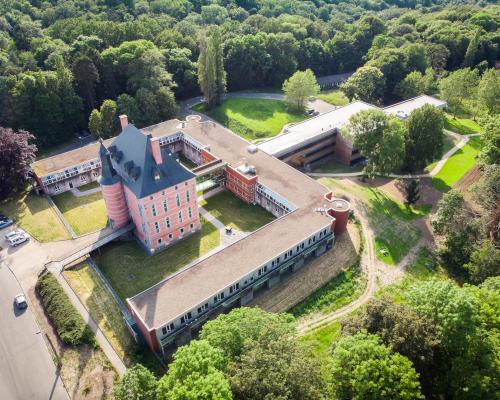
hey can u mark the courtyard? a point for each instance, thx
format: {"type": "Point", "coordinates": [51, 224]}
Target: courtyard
{"type": "Point", "coordinates": [252, 118]}
{"type": "Point", "coordinates": [130, 270]}
{"type": "Point", "coordinates": [232, 211]}
{"type": "Point", "coordinates": [84, 214]}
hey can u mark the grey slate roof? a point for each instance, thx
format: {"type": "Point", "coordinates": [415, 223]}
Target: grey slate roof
{"type": "Point", "coordinates": [132, 158]}
{"type": "Point", "coordinates": [108, 173]}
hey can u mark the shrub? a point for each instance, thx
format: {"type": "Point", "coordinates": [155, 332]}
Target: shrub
{"type": "Point", "coordinates": [70, 325]}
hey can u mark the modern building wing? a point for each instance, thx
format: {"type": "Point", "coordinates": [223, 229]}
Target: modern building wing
{"type": "Point", "coordinates": [404, 109]}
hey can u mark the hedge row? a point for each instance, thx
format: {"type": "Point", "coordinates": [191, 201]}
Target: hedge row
{"type": "Point", "coordinates": [70, 325]}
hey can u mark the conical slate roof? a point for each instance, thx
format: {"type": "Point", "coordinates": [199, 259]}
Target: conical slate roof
{"type": "Point", "coordinates": [108, 173]}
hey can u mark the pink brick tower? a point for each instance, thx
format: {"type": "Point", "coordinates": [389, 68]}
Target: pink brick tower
{"type": "Point", "coordinates": [112, 192]}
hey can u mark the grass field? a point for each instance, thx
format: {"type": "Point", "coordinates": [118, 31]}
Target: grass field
{"type": "Point", "coordinates": [448, 144]}
{"type": "Point", "coordinates": [252, 118]}
{"type": "Point", "coordinates": [89, 288]}
{"type": "Point", "coordinates": [390, 219]}
{"type": "Point", "coordinates": [335, 97]}
{"type": "Point", "coordinates": [335, 294]}
{"type": "Point", "coordinates": [35, 215]}
{"type": "Point", "coordinates": [130, 270]}
{"type": "Point", "coordinates": [457, 165]}
{"type": "Point", "coordinates": [321, 339]}
{"type": "Point", "coordinates": [230, 210]}
{"type": "Point", "coordinates": [84, 214]}
{"type": "Point", "coordinates": [463, 126]}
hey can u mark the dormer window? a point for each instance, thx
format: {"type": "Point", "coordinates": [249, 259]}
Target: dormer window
{"type": "Point", "coordinates": [157, 175]}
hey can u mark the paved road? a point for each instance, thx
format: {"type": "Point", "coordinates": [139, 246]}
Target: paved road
{"type": "Point", "coordinates": [26, 367]}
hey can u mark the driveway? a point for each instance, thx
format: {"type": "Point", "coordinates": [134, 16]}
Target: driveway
{"type": "Point", "coordinates": [26, 367]}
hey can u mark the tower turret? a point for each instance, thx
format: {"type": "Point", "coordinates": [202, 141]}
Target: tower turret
{"type": "Point", "coordinates": [112, 191]}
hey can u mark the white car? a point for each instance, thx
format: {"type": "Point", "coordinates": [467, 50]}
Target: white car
{"type": "Point", "coordinates": [18, 239]}
{"type": "Point", "coordinates": [20, 301]}
{"type": "Point", "coordinates": [15, 233]}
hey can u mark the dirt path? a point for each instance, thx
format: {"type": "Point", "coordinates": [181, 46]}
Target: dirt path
{"type": "Point", "coordinates": [369, 268]}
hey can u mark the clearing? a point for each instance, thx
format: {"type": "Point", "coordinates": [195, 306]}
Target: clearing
{"type": "Point", "coordinates": [252, 118]}
{"type": "Point", "coordinates": [35, 215]}
{"type": "Point", "coordinates": [457, 165]}
{"type": "Point", "coordinates": [321, 275]}
{"type": "Point", "coordinates": [130, 270]}
{"type": "Point", "coordinates": [463, 126]}
{"type": "Point", "coordinates": [335, 97]}
{"type": "Point", "coordinates": [391, 220]}
{"type": "Point", "coordinates": [231, 210]}
{"type": "Point", "coordinates": [98, 301]}
{"type": "Point", "coordinates": [84, 214]}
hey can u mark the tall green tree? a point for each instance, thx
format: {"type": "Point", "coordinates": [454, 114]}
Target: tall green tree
{"type": "Point", "coordinates": [458, 88]}
{"type": "Point", "coordinates": [138, 382]}
{"type": "Point", "coordinates": [425, 138]}
{"type": "Point", "coordinates": [211, 73]}
{"type": "Point", "coordinates": [488, 93]}
{"type": "Point", "coordinates": [299, 87]}
{"type": "Point", "coordinates": [104, 123]}
{"type": "Point", "coordinates": [364, 368]}
{"type": "Point", "coordinates": [367, 84]}
{"type": "Point", "coordinates": [490, 150]}
{"type": "Point", "coordinates": [379, 138]}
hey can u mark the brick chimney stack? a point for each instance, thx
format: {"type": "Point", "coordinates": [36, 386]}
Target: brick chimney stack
{"type": "Point", "coordinates": [123, 121]}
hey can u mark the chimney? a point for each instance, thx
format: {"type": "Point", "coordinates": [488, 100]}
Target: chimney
{"type": "Point", "coordinates": [156, 150]}
{"type": "Point", "coordinates": [123, 121]}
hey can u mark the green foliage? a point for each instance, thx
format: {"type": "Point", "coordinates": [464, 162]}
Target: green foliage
{"type": "Point", "coordinates": [488, 94]}
{"type": "Point", "coordinates": [104, 122]}
{"type": "Point", "coordinates": [490, 152]}
{"type": "Point", "coordinates": [70, 326]}
{"type": "Point", "coordinates": [484, 261]}
{"type": "Point", "coordinates": [380, 138]}
{"type": "Point", "coordinates": [299, 87]}
{"type": "Point", "coordinates": [449, 213]}
{"type": "Point", "coordinates": [367, 84]}
{"type": "Point", "coordinates": [137, 383]}
{"type": "Point", "coordinates": [363, 368]}
{"type": "Point", "coordinates": [211, 73]}
{"type": "Point", "coordinates": [412, 191]}
{"type": "Point", "coordinates": [424, 142]}
{"type": "Point", "coordinates": [458, 87]}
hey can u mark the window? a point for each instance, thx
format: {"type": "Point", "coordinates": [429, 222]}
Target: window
{"type": "Point", "coordinates": [157, 227]}
{"type": "Point", "coordinates": [190, 213]}
{"type": "Point", "coordinates": [176, 187]}
{"type": "Point", "coordinates": [234, 288]}
{"type": "Point", "coordinates": [167, 222]}
{"type": "Point", "coordinates": [286, 256]}
{"type": "Point", "coordinates": [202, 308]}
{"type": "Point", "coordinates": [165, 205]}
{"type": "Point", "coordinates": [178, 200]}
{"type": "Point", "coordinates": [153, 210]}
{"type": "Point", "coordinates": [150, 197]}
{"type": "Point", "coordinates": [180, 217]}
{"type": "Point", "coordinates": [302, 245]}
{"type": "Point", "coordinates": [262, 270]}
{"type": "Point", "coordinates": [191, 226]}
{"type": "Point", "coordinates": [170, 236]}
{"type": "Point", "coordinates": [219, 297]}
{"type": "Point", "coordinates": [185, 183]}
{"type": "Point", "coordinates": [159, 241]}
{"type": "Point", "coordinates": [186, 317]}
{"type": "Point", "coordinates": [167, 329]}
{"type": "Point", "coordinates": [163, 193]}
{"type": "Point", "coordinates": [181, 231]}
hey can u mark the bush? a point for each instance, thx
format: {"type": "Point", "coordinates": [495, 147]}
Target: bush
{"type": "Point", "coordinates": [70, 326]}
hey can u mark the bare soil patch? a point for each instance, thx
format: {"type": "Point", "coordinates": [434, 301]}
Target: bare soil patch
{"type": "Point", "coordinates": [313, 275]}
{"type": "Point", "coordinates": [86, 372]}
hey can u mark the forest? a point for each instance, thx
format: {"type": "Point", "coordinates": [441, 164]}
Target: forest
{"type": "Point", "coordinates": [62, 59]}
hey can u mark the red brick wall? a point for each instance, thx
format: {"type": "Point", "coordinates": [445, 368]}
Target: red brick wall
{"type": "Point", "coordinates": [206, 156]}
{"type": "Point", "coordinates": [241, 185]}
{"type": "Point", "coordinates": [149, 336]}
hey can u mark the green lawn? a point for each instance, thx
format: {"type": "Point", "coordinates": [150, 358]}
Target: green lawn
{"type": "Point", "coordinates": [448, 144]}
{"type": "Point", "coordinates": [252, 118]}
{"type": "Point", "coordinates": [335, 97]}
{"type": "Point", "coordinates": [463, 126]}
{"type": "Point", "coordinates": [321, 339]}
{"type": "Point", "coordinates": [390, 219]}
{"type": "Point", "coordinates": [35, 215]}
{"type": "Point", "coordinates": [131, 270]}
{"type": "Point", "coordinates": [89, 288]}
{"type": "Point", "coordinates": [231, 210]}
{"type": "Point", "coordinates": [84, 214]}
{"type": "Point", "coordinates": [457, 165]}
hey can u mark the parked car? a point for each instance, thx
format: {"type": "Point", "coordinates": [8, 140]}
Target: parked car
{"type": "Point", "coordinates": [5, 222]}
{"type": "Point", "coordinates": [15, 233]}
{"type": "Point", "coordinates": [20, 301]}
{"type": "Point", "coordinates": [18, 239]}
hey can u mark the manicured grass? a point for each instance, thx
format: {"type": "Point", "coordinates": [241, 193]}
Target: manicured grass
{"type": "Point", "coordinates": [230, 210]}
{"type": "Point", "coordinates": [321, 339]}
{"type": "Point", "coordinates": [463, 126]}
{"type": "Point", "coordinates": [35, 215]}
{"type": "Point", "coordinates": [89, 288]}
{"type": "Point", "coordinates": [457, 165]}
{"type": "Point", "coordinates": [448, 144]}
{"type": "Point", "coordinates": [334, 167]}
{"type": "Point", "coordinates": [390, 219]}
{"type": "Point", "coordinates": [335, 97]}
{"type": "Point", "coordinates": [131, 270]}
{"type": "Point", "coordinates": [252, 118]}
{"type": "Point", "coordinates": [84, 214]}
{"type": "Point", "coordinates": [340, 291]}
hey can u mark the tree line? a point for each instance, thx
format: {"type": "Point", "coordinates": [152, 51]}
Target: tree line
{"type": "Point", "coordinates": [61, 60]}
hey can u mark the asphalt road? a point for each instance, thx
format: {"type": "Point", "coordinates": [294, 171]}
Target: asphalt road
{"type": "Point", "coordinates": [26, 367]}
